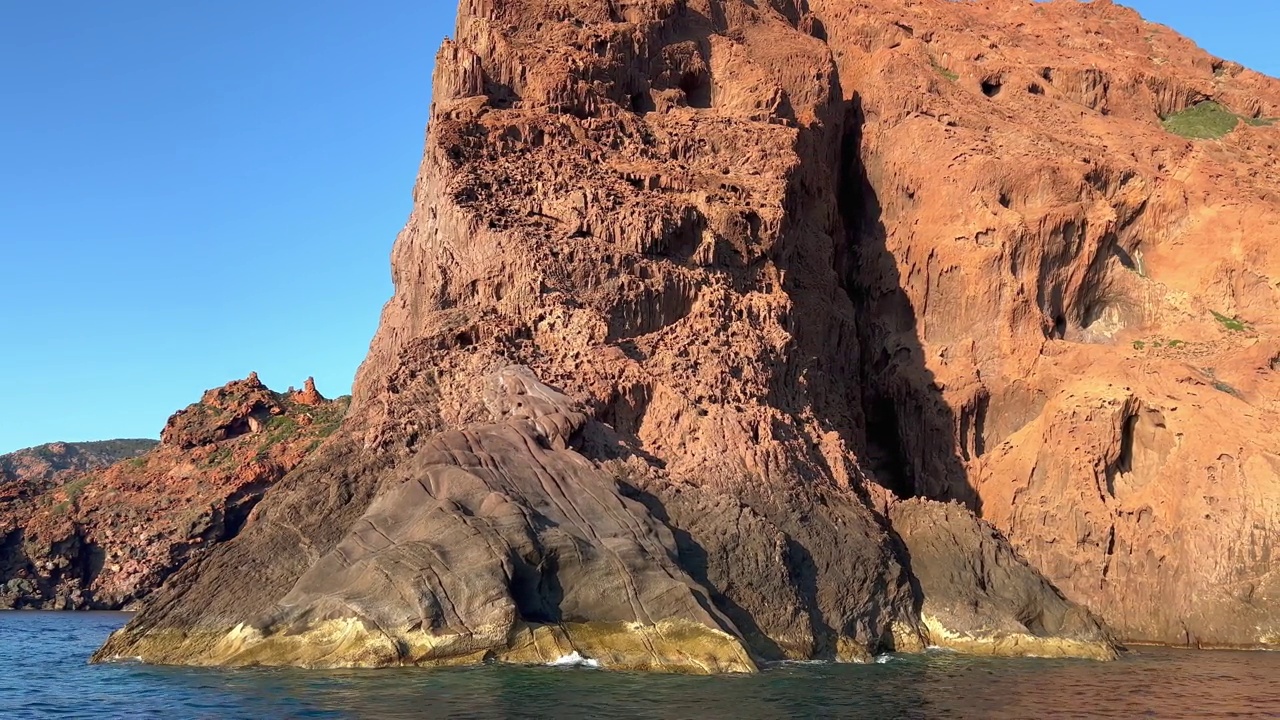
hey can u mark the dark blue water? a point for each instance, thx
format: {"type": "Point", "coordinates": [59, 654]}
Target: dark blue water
{"type": "Point", "coordinates": [43, 674]}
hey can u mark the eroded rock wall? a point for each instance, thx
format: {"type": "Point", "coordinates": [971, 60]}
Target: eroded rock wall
{"type": "Point", "coordinates": [1067, 271]}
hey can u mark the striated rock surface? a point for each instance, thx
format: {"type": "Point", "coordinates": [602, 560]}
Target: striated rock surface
{"type": "Point", "coordinates": [497, 540]}
{"type": "Point", "coordinates": [104, 524]}
{"type": "Point", "coordinates": [696, 294]}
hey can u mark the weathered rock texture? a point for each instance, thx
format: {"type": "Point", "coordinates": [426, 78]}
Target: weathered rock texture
{"type": "Point", "coordinates": [978, 596]}
{"type": "Point", "coordinates": [1032, 236]}
{"type": "Point", "coordinates": [694, 291]}
{"type": "Point", "coordinates": [101, 525]}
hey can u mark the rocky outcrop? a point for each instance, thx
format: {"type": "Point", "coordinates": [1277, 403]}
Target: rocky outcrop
{"type": "Point", "coordinates": [747, 277]}
{"type": "Point", "coordinates": [119, 517]}
{"type": "Point", "coordinates": [26, 478]}
{"type": "Point", "coordinates": [977, 596]}
{"type": "Point", "coordinates": [25, 474]}
{"type": "Point", "coordinates": [308, 395]}
{"type": "Point", "coordinates": [494, 541]}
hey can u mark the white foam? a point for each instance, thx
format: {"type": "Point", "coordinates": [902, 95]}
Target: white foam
{"type": "Point", "coordinates": [882, 659]}
{"type": "Point", "coordinates": [124, 659]}
{"type": "Point", "coordinates": [573, 659]}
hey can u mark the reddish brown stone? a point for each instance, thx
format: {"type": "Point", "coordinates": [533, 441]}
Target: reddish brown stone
{"type": "Point", "coordinates": [309, 395]}
{"type": "Point", "coordinates": [101, 532]}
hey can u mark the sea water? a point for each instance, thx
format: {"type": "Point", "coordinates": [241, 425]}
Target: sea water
{"type": "Point", "coordinates": [44, 674]}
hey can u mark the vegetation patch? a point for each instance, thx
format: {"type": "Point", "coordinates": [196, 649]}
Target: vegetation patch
{"type": "Point", "coordinates": [1157, 343]}
{"type": "Point", "coordinates": [1210, 121]}
{"type": "Point", "coordinates": [280, 428]}
{"type": "Point", "coordinates": [943, 70]}
{"type": "Point", "coordinates": [1230, 323]}
{"type": "Point", "coordinates": [1204, 121]}
{"type": "Point", "coordinates": [1224, 387]}
{"type": "Point", "coordinates": [75, 488]}
{"type": "Point", "coordinates": [329, 418]}
{"type": "Point", "coordinates": [221, 456]}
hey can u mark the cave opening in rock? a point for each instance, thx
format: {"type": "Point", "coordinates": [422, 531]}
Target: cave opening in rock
{"type": "Point", "coordinates": [886, 456]}
{"type": "Point", "coordinates": [1059, 327]}
{"type": "Point", "coordinates": [535, 587]}
{"type": "Point", "coordinates": [1125, 462]}
{"type": "Point", "coordinates": [991, 87]}
{"type": "Point", "coordinates": [642, 103]}
{"type": "Point", "coordinates": [753, 224]}
{"type": "Point", "coordinates": [237, 514]}
{"type": "Point", "coordinates": [697, 89]}
{"type": "Point", "coordinates": [906, 431]}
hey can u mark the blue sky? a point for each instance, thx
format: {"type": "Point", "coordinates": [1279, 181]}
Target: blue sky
{"type": "Point", "coordinates": [1239, 30]}
{"type": "Point", "coordinates": [194, 190]}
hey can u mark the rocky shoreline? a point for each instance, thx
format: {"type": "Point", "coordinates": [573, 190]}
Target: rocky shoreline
{"type": "Point", "coordinates": [731, 332]}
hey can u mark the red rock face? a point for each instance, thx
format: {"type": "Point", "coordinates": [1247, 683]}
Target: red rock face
{"type": "Point", "coordinates": [106, 534]}
{"type": "Point", "coordinates": [308, 395]}
{"type": "Point", "coordinates": [1066, 267]}
{"type": "Point", "coordinates": [782, 265]}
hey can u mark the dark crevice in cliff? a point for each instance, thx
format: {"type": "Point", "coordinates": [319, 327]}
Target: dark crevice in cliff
{"type": "Point", "coordinates": [535, 587]}
{"type": "Point", "coordinates": [804, 578]}
{"type": "Point", "coordinates": [1125, 463]}
{"type": "Point", "coordinates": [885, 456]}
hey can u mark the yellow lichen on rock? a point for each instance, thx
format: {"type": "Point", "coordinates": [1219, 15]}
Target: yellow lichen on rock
{"type": "Point", "coordinates": [1011, 644]}
{"type": "Point", "coordinates": [668, 646]}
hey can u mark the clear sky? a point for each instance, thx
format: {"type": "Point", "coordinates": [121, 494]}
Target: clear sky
{"type": "Point", "coordinates": [193, 190]}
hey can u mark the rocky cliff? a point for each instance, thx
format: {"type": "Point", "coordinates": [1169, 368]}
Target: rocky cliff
{"type": "Point", "coordinates": [702, 306]}
{"type": "Point", "coordinates": [101, 525]}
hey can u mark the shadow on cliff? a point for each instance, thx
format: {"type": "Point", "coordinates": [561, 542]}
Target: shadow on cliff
{"type": "Point", "coordinates": [857, 369]}
{"type": "Point", "coordinates": [693, 559]}
{"type": "Point", "coordinates": [911, 432]}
